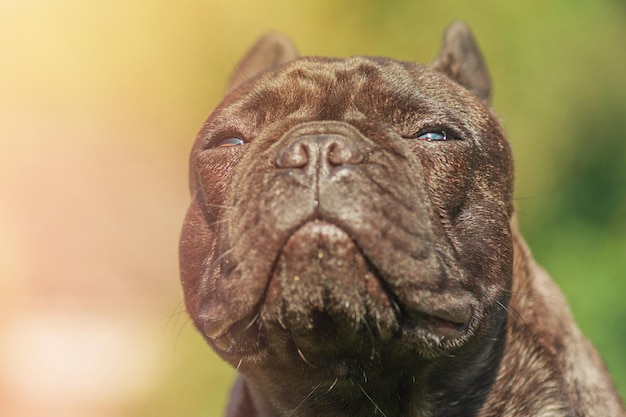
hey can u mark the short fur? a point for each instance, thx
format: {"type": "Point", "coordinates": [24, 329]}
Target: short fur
{"type": "Point", "coordinates": [349, 261]}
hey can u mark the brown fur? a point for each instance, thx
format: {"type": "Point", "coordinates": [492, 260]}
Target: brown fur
{"type": "Point", "coordinates": [349, 261]}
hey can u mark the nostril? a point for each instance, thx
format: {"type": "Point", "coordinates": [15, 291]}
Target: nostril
{"type": "Point", "coordinates": [294, 155]}
{"type": "Point", "coordinates": [343, 152]}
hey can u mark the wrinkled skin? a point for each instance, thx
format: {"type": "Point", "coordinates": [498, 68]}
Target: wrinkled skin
{"type": "Point", "coordinates": [349, 247]}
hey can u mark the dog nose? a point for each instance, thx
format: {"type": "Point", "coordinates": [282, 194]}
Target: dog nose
{"type": "Point", "coordinates": [324, 151]}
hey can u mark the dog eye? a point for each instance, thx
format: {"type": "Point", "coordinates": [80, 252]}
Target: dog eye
{"type": "Point", "coordinates": [229, 142]}
{"type": "Point", "coordinates": [433, 136]}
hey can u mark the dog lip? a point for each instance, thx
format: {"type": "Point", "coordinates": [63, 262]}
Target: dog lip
{"type": "Point", "coordinates": [444, 328]}
{"type": "Point", "coordinates": [441, 325]}
{"type": "Point", "coordinates": [460, 316]}
{"type": "Point", "coordinates": [232, 336]}
{"type": "Point", "coordinates": [450, 320]}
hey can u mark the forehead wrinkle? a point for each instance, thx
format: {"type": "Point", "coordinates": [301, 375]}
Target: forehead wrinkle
{"type": "Point", "coordinates": [325, 89]}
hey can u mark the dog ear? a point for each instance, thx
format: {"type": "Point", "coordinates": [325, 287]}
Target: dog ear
{"type": "Point", "coordinates": [461, 60]}
{"type": "Point", "coordinates": [269, 51]}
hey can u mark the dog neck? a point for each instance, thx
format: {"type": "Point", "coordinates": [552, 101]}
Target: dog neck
{"type": "Point", "coordinates": [456, 386]}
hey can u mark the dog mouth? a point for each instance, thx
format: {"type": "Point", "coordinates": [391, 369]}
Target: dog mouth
{"type": "Point", "coordinates": [325, 293]}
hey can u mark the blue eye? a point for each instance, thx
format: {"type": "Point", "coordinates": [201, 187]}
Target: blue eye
{"type": "Point", "coordinates": [433, 136]}
{"type": "Point", "coordinates": [229, 142]}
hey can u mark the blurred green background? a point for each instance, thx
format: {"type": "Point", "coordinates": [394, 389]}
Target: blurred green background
{"type": "Point", "coordinates": [119, 89]}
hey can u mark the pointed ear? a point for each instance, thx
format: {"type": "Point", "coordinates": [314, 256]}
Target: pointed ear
{"type": "Point", "coordinates": [270, 50]}
{"type": "Point", "coordinates": [461, 60]}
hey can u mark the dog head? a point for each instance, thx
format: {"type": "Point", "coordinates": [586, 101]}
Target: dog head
{"type": "Point", "coordinates": [350, 212]}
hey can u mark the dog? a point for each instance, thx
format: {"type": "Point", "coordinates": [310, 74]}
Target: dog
{"type": "Point", "coordinates": [351, 247]}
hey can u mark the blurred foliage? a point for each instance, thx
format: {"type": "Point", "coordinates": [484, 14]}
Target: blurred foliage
{"type": "Point", "coordinates": [198, 384]}
{"type": "Point", "coordinates": [579, 233]}
{"type": "Point", "coordinates": [558, 74]}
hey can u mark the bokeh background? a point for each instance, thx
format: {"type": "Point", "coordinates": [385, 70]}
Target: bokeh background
{"type": "Point", "coordinates": [100, 102]}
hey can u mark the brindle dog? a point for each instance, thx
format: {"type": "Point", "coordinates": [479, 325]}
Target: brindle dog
{"type": "Point", "coordinates": [351, 247]}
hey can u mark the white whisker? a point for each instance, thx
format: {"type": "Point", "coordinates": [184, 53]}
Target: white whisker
{"type": "Point", "coordinates": [377, 408]}
{"type": "Point", "coordinates": [303, 358]}
{"type": "Point", "coordinates": [304, 400]}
